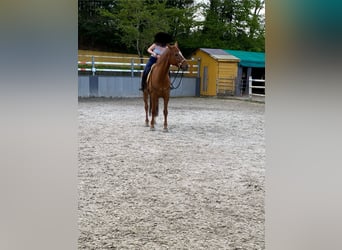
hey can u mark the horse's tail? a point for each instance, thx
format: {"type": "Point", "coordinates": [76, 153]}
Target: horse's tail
{"type": "Point", "coordinates": [149, 85]}
{"type": "Point", "coordinates": [150, 107]}
{"type": "Point", "coordinates": [157, 107]}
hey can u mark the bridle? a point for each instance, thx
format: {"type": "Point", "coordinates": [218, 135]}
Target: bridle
{"type": "Point", "coordinates": [181, 63]}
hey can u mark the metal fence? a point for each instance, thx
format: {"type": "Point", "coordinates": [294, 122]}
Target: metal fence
{"type": "Point", "coordinates": [129, 65]}
{"type": "Point", "coordinates": [258, 85]}
{"type": "Point", "coordinates": [120, 76]}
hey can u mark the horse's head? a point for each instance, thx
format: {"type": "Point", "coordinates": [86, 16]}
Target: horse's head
{"type": "Point", "coordinates": [177, 58]}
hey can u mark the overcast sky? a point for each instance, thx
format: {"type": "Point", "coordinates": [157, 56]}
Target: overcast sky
{"type": "Point", "coordinates": [201, 1]}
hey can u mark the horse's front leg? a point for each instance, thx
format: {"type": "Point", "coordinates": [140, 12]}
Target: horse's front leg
{"type": "Point", "coordinates": [146, 107]}
{"type": "Point", "coordinates": [166, 101]}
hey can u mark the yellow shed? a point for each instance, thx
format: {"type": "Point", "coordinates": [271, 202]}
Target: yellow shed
{"type": "Point", "coordinates": [218, 71]}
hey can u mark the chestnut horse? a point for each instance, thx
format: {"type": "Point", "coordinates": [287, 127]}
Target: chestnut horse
{"type": "Point", "coordinates": [158, 82]}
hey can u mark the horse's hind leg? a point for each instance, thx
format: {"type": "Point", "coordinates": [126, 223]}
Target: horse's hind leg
{"type": "Point", "coordinates": [166, 101]}
{"type": "Point", "coordinates": [146, 107]}
{"type": "Point", "coordinates": [154, 110]}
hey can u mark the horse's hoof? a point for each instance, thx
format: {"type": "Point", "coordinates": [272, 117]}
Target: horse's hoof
{"type": "Point", "coordinates": [152, 129]}
{"type": "Point", "coordinates": [165, 130]}
{"type": "Point", "coordinates": [146, 124]}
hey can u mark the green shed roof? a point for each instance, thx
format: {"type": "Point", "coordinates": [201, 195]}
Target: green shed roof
{"type": "Point", "coordinates": [249, 59]}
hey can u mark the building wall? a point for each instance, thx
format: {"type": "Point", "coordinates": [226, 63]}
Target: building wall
{"type": "Point", "coordinates": [218, 72]}
{"type": "Point", "coordinates": [226, 78]}
{"type": "Point", "coordinates": [126, 86]}
{"type": "Point", "coordinates": [228, 69]}
{"type": "Point", "coordinates": [211, 65]}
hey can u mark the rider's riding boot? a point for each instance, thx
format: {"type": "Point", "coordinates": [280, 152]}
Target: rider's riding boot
{"type": "Point", "coordinates": [143, 83]}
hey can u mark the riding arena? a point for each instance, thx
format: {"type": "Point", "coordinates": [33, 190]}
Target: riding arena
{"type": "Point", "coordinates": [200, 185]}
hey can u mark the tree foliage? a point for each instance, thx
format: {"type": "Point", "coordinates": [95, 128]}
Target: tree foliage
{"type": "Point", "coordinates": [137, 22]}
{"type": "Point", "coordinates": [94, 30]}
{"type": "Point", "coordinates": [236, 24]}
{"type": "Point", "coordinates": [129, 26]}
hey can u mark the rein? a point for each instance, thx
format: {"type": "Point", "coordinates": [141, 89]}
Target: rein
{"type": "Point", "coordinates": [180, 80]}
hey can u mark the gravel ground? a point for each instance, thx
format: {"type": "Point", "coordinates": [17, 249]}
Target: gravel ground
{"type": "Point", "coordinates": [198, 186]}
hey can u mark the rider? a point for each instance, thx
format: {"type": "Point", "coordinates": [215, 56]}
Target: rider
{"type": "Point", "coordinates": [161, 39]}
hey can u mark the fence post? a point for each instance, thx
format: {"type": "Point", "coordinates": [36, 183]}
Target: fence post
{"type": "Point", "coordinates": [132, 67]}
{"type": "Point", "coordinates": [250, 83]}
{"type": "Point", "coordinates": [93, 69]}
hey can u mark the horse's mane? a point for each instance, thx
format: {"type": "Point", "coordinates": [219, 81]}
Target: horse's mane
{"type": "Point", "coordinates": [165, 54]}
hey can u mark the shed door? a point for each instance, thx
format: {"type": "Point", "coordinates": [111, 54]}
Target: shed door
{"type": "Point", "coordinates": [205, 79]}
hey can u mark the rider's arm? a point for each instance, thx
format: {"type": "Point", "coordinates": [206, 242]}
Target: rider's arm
{"type": "Point", "coordinates": [150, 50]}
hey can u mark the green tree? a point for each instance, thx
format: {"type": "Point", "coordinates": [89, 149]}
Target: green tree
{"type": "Point", "coordinates": [235, 24]}
{"type": "Point", "coordinates": [130, 25]}
{"type": "Point", "coordinates": [138, 22]}
{"type": "Point", "coordinates": [180, 16]}
{"type": "Point", "coordinates": [251, 24]}
{"type": "Point", "coordinates": [94, 31]}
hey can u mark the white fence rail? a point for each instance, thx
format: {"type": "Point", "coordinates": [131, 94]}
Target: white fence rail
{"type": "Point", "coordinates": [124, 64]}
{"type": "Point", "coordinates": [251, 87]}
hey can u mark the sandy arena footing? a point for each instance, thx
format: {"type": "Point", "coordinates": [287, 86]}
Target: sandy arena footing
{"type": "Point", "coordinates": [198, 186]}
